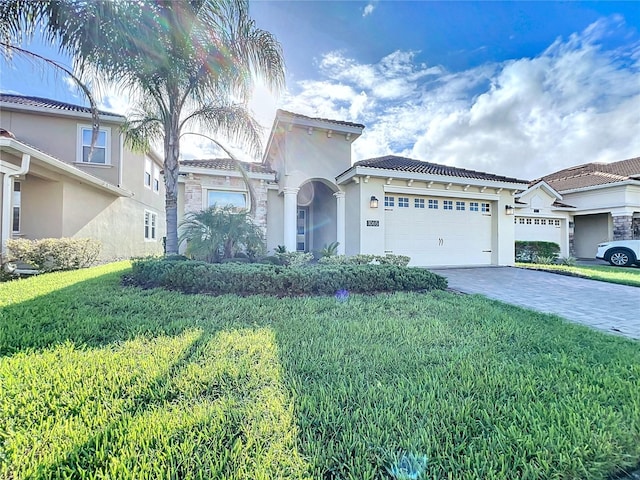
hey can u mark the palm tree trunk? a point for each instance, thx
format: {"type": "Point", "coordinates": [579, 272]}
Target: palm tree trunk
{"type": "Point", "coordinates": [171, 171]}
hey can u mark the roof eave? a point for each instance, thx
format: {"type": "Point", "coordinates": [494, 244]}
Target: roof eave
{"type": "Point", "coordinates": [60, 112]}
{"type": "Point", "coordinates": [601, 186]}
{"type": "Point", "coordinates": [226, 173]}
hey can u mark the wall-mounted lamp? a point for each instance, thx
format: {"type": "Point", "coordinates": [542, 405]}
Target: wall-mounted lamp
{"type": "Point", "coordinates": [373, 202]}
{"type": "Point", "coordinates": [508, 209]}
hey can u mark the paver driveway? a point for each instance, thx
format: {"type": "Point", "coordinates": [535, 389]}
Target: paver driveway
{"type": "Point", "coordinates": [605, 306]}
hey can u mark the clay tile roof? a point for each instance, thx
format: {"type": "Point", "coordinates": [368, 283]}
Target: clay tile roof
{"type": "Point", "coordinates": [226, 164]}
{"type": "Point", "coordinates": [39, 102]}
{"type": "Point", "coordinates": [337, 122]}
{"type": "Point", "coordinates": [394, 162]}
{"type": "Point", "coordinates": [592, 174]}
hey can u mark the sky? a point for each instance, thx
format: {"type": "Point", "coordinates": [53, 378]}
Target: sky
{"type": "Point", "coordinates": [513, 88]}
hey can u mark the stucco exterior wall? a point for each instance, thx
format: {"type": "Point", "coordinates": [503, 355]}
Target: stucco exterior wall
{"type": "Point", "coordinates": [353, 215]}
{"type": "Point", "coordinates": [275, 223]}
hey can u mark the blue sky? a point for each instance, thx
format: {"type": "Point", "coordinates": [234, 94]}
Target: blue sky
{"type": "Point", "coordinates": [515, 88]}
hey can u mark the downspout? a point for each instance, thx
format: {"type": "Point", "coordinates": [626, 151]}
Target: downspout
{"type": "Point", "coordinates": [7, 193]}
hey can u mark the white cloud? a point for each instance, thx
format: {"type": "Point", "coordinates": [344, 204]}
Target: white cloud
{"type": "Point", "coordinates": [577, 101]}
{"type": "Point", "coordinates": [368, 10]}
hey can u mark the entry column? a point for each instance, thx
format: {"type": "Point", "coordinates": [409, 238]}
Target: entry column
{"type": "Point", "coordinates": [340, 221]}
{"type": "Point", "coordinates": [290, 218]}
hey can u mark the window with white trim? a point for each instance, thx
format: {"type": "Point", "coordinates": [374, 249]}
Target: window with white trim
{"type": "Point", "coordinates": [147, 172]}
{"type": "Point", "coordinates": [101, 150]}
{"type": "Point", "coordinates": [474, 207]}
{"type": "Point", "coordinates": [460, 206]}
{"type": "Point", "coordinates": [447, 205]}
{"type": "Point", "coordinates": [150, 224]}
{"type": "Point", "coordinates": [389, 201]}
{"type": "Point", "coordinates": [433, 204]}
{"type": "Point", "coordinates": [223, 198]}
{"type": "Point", "coordinates": [486, 208]}
{"type": "Point", "coordinates": [403, 202]}
{"type": "Point", "coordinates": [156, 179]}
{"type": "Point", "coordinates": [418, 202]}
{"type": "Point", "coordinates": [16, 207]}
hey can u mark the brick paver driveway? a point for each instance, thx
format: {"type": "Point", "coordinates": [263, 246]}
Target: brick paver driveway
{"type": "Point", "coordinates": [605, 306]}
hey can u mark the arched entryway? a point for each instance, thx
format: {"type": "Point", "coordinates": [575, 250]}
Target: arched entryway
{"type": "Point", "coordinates": [316, 216]}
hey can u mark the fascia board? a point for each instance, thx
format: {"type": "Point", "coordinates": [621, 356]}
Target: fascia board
{"type": "Point", "coordinates": [57, 112]}
{"type": "Point", "coordinates": [599, 187]}
{"type": "Point", "coordinates": [438, 192]}
{"type": "Point", "coordinates": [320, 124]}
{"type": "Point", "coordinates": [227, 173]}
{"type": "Point", "coordinates": [60, 166]}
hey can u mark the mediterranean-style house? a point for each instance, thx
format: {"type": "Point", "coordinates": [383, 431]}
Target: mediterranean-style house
{"type": "Point", "coordinates": [579, 207]}
{"type": "Point", "coordinates": [309, 194]}
{"type": "Point", "coordinates": [52, 184]}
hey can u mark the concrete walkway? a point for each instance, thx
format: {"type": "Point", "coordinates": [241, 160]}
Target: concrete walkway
{"type": "Point", "coordinates": [605, 306]}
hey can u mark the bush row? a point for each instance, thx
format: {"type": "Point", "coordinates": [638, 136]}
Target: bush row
{"type": "Point", "coordinates": [259, 279]}
{"type": "Point", "coordinates": [363, 259]}
{"type": "Point", "coordinates": [532, 251]}
{"type": "Point", "coordinates": [52, 254]}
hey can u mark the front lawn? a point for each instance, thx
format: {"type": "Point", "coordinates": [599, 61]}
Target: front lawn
{"type": "Point", "coordinates": [102, 381]}
{"type": "Point", "coordinates": [624, 276]}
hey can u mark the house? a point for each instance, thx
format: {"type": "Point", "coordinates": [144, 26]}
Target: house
{"type": "Point", "coordinates": [309, 194]}
{"type": "Point", "coordinates": [53, 184]}
{"type": "Point", "coordinates": [589, 204]}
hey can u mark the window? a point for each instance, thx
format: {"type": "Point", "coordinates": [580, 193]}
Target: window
{"type": "Point", "coordinates": [156, 179]}
{"type": "Point", "coordinates": [147, 173]}
{"type": "Point", "coordinates": [486, 208]}
{"type": "Point", "coordinates": [521, 221]}
{"type": "Point", "coordinates": [101, 150]}
{"type": "Point", "coordinates": [433, 204]}
{"type": "Point", "coordinates": [460, 206]}
{"type": "Point", "coordinates": [536, 221]}
{"type": "Point", "coordinates": [528, 221]}
{"type": "Point", "coordinates": [543, 221]}
{"type": "Point", "coordinates": [16, 207]}
{"type": "Point", "coordinates": [403, 202]}
{"type": "Point", "coordinates": [389, 201]}
{"type": "Point", "coordinates": [473, 207]}
{"type": "Point", "coordinates": [447, 205]}
{"type": "Point", "coordinates": [418, 202]}
{"type": "Point", "coordinates": [557, 222]}
{"type": "Point", "coordinates": [150, 222]}
{"type": "Point", "coordinates": [222, 199]}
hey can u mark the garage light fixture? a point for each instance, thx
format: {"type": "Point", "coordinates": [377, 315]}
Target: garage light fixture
{"type": "Point", "coordinates": [508, 209]}
{"type": "Point", "coordinates": [373, 203]}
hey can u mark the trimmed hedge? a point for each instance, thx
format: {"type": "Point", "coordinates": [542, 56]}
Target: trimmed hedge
{"type": "Point", "coordinates": [527, 251]}
{"type": "Point", "coordinates": [53, 254]}
{"type": "Point", "coordinates": [260, 279]}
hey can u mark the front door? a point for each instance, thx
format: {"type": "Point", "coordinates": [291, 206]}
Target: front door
{"type": "Point", "coordinates": [301, 229]}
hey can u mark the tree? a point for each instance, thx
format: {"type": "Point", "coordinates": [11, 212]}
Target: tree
{"type": "Point", "coordinates": [220, 232]}
{"type": "Point", "coordinates": [186, 64]}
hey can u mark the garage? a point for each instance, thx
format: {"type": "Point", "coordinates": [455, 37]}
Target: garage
{"type": "Point", "coordinates": [439, 231]}
{"type": "Point", "coordinates": [590, 230]}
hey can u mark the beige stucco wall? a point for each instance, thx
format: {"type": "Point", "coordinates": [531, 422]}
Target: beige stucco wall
{"type": "Point", "coordinates": [353, 214]}
{"type": "Point", "coordinates": [275, 219]}
{"type": "Point", "coordinates": [41, 209]}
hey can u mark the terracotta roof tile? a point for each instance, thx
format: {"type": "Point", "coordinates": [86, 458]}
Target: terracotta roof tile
{"type": "Point", "coordinates": [394, 162]}
{"type": "Point", "coordinates": [592, 174]}
{"type": "Point", "coordinates": [39, 102]}
{"type": "Point", "coordinates": [337, 122]}
{"type": "Point", "coordinates": [226, 164]}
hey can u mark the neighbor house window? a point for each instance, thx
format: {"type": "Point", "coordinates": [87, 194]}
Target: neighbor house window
{"type": "Point", "coordinates": [418, 202]}
{"type": "Point", "coordinates": [156, 179]}
{"type": "Point", "coordinates": [486, 208]}
{"type": "Point", "coordinates": [460, 206]}
{"type": "Point", "coordinates": [16, 207]}
{"type": "Point", "coordinates": [474, 207]}
{"type": "Point", "coordinates": [389, 201]}
{"type": "Point", "coordinates": [222, 198]}
{"type": "Point", "coordinates": [403, 202]}
{"type": "Point", "coordinates": [147, 173]}
{"type": "Point", "coordinates": [101, 151]}
{"type": "Point", "coordinates": [150, 223]}
{"type": "Point", "coordinates": [447, 205]}
{"type": "Point", "coordinates": [433, 204]}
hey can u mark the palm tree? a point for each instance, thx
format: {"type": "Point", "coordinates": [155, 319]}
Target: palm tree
{"type": "Point", "coordinates": [187, 64]}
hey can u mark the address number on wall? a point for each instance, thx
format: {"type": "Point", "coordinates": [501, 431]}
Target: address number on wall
{"type": "Point", "coordinates": [373, 223]}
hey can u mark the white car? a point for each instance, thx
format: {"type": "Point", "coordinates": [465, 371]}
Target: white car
{"type": "Point", "coordinates": [620, 253]}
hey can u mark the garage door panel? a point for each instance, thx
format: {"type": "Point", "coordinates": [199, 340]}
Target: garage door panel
{"type": "Point", "coordinates": [439, 237]}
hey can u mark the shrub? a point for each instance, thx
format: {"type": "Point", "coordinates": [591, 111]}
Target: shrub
{"type": "Point", "coordinates": [542, 260]}
{"type": "Point", "coordinates": [363, 259]}
{"type": "Point", "coordinates": [52, 254]}
{"type": "Point", "coordinates": [528, 251]}
{"type": "Point", "coordinates": [294, 259]}
{"type": "Point", "coordinates": [329, 250]}
{"type": "Point", "coordinates": [260, 279]}
{"type": "Point", "coordinates": [568, 261]}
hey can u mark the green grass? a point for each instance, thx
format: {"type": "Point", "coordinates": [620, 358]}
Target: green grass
{"type": "Point", "coordinates": [624, 276]}
{"type": "Point", "coordinates": [101, 381]}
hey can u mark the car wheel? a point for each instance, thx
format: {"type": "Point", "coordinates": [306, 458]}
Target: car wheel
{"type": "Point", "coordinates": [621, 258]}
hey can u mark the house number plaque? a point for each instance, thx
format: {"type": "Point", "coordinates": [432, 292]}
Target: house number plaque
{"type": "Point", "coordinates": [373, 223]}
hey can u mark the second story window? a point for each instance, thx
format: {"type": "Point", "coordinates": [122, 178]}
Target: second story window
{"type": "Point", "coordinates": [147, 173]}
{"type": "Point", "coordinates": [101, 152]}
{"type": "Point", "coordinates": [156, 179]}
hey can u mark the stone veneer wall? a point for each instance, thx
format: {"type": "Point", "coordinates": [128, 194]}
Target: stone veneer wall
{"type": "Point", "coordinates": [623, 227]}
{"type": "Point", "coordinates": [193, 192]}
{"type": "Point", "coordinates": [636, 228]}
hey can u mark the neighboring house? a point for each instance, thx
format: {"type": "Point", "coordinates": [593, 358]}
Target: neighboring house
{"type": "Point", "coordinates": [53, 185]}
{"type": "Point", "coordinates": [309, 194]}
{"type": "Point", "coordinates": [600, 202]}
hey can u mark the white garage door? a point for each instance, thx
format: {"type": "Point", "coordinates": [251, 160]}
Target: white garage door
{"type": "Point", "coordinates": [438, 231]}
